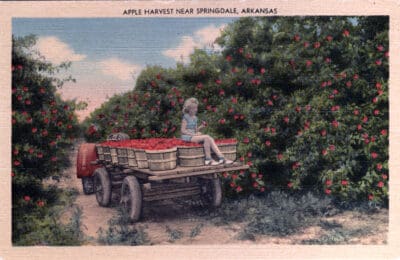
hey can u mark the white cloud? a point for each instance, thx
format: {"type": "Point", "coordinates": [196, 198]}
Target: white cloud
{"type": "Point", "coordinates": [57, 51]}
{"type": "Point", "coordinates": [207, 35]}
{"type": "Point", "coordinates": [183, 50]}
{"type": "Point", "coordinates": [119, 69]}
{"type": "Point", "coordinates": [203, 38]}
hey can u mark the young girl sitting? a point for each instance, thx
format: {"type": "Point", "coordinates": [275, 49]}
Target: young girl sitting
{"type": "Point", "coordinates": [190, 133]}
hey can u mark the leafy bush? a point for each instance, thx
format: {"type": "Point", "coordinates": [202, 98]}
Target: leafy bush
{"type": "Point", "coordinates": [282, 214]}
{"type": "Point", "coordinates": [120, 232]}
{"type": "Point", "coordinates": [174, 234]}
{"type": "Point", "coordinates": [44, 228]}
{"type": "Point", "coordinates": [196, 230]}
{"type": "Point", "coordinates": [337, 236]}
{"type": "Point", "coordinates": [43, 129]}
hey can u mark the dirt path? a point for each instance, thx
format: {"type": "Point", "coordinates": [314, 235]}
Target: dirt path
{"type": "Point", "coordinates": [157, 216]}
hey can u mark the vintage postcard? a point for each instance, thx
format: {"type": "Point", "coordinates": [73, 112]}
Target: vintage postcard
{"type": "Point", "coordinates": [202, 130]}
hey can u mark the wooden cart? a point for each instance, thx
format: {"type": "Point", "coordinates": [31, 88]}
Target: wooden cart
{"type": "Point", "coordinates": [136, 185]}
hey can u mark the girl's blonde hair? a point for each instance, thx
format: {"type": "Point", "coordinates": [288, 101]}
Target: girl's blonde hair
{"type": "Point", "coordinates": [189, 103]}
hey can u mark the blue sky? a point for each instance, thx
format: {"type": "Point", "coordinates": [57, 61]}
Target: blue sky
{"type": "Point", "coordinates": [108, 53]}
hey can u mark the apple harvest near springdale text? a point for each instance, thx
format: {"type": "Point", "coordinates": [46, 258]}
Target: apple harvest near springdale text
{"type": "Point", "coordinates": [201, 11]}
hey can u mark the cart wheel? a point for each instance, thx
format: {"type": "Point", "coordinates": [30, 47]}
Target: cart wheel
{"type": "Point", "coordinates": [88, 185]}
{"type": "Point", "coordinates": [131, 198]}
{"type": "Point", "coordinates": [102, 185]}
{"type": "Point", "coordinates": [212, 192]}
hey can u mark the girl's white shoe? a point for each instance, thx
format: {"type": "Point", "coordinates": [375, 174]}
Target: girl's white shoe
{"type": "Point", "coordinates": [226, 161]}
{"type": "Point", "coordinates": [212, 162]}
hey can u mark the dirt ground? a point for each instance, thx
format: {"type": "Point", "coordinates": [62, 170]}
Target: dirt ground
{"type": "Point", "coordinates": [157, 216]}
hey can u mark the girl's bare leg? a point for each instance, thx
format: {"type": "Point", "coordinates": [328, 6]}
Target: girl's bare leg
{"type": "Point", "coordinates": [209, 145]}
{"type": "Point", "coordinates": [206, 143]}
{"type": "Point", "coordinates": [215, 148]}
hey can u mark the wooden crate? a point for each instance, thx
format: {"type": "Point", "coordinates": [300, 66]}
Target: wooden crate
{"type": "Point", "coordinates": [168, 154]}
{"type": "Point", "coordinates": [190, 151]}
{"type": "Point", "coordinates": [162, 165]}
{"type": "Point", "coordinates": [131, 157]}
{"type": "Point", "coordinates": [191, 161]}
{"type": "Point", "coordinates": [161, 160]}
{"type": "Point", "coordinates": [100, 152]}
{"type": "Point", "coordinates": [228, 150]}
{"type": "Point", "coordinates": [189, 156]}
{"type": "Point", "coordinates": [114, 155]}
{"type": "Point", "coordinates": [104, 154]}
{"type": "Point", "coordinates": [141, 159]}
{"type": "Point", "coordinates": [122, 155]}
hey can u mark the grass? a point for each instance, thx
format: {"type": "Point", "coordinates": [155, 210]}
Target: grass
{"type": "Point", "coordinates": [280, 214]}
{"type": "Point", "coordinates": [337, 235]}
{"type": "Point", "coordinates": [196, 230]}
{"type": "Point", "coordinates": [174, 234]}
{"type": "Point", "coordinates": [120, 232]}
{"type": "Point", "coordinates": [276, 214]}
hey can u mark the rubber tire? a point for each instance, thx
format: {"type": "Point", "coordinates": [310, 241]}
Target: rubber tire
{"type": "Point", "coordinates": [131, 198]}
{"type": "Point", "coordinates": [88, 185]}
{"type": "Point", "coordinates": [212, 196]}
{"type": "Point", "coordinates": [102, 187]}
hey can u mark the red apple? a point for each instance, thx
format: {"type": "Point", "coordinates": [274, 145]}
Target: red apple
{"type": "Point", "coordinates": [329, 38]}
{"type": "Point", "coordinates": [286, 119]}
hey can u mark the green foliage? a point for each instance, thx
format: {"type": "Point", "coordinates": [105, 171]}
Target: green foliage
{"type": "Point", "coordinates": [120, 232]}
{"type": "Point", "coordinates": [337, 235]}
{"type": "Point", "coordinates": [43, 129]}
{"type": "Point", "coordinates": [282, 214]}
{"type": "Point", "coordinates": [196, 230]}
{"type": "Point", "coordinates": [306, 97]}
{"type": "Point", "coordinates": [44, 228]}
{"type": "Point", "coordinates": [174, 234]}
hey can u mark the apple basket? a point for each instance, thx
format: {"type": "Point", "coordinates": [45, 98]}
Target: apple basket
{"type": "Point", "coordinates": [191, 156]}
{"type": "Point", "coordinates": [228, 150]}
{"type": "Point", "coordinates": [104, 153]}
{"type": "Point", "coordinates": [160, 160]}
{"type": "Point", "coordinates": [141, 158]}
